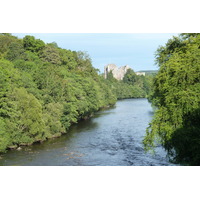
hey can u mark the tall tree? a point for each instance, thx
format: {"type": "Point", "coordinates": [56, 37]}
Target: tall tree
{"type": "Point", "coordinates": [176, 94]}
{"type": "Point", "coordinates": [32, 44]}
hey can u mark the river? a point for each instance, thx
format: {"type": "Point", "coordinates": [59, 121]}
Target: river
{"type": "Point", "coordinates": [113, 137]}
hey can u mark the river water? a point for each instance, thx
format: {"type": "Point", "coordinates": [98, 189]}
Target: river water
{"type": "Point", "coordinates": [113, 137]}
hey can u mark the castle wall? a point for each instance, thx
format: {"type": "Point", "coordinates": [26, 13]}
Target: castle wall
{"type": "Point", "coordinates": [118, 73]}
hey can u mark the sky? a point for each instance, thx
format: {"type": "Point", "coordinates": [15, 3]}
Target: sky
{"type": "Point", "coordinates": [134, 49]}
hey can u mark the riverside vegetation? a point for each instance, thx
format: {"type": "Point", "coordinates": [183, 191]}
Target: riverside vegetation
{"type": "Point", "coordinates": [44, 89]}
{"type": "Point", "coordinates": [176, 96]}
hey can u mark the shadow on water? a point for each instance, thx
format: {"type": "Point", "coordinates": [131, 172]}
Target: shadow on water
{"type": "Point", "coordinates": [74, 131]}
{"type": "Point", "coordinates": [150, 113]}
{"type": "Point", "coordinates": [27, 153]}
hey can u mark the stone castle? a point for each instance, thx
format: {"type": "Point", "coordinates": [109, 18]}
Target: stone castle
{"type": "Point", "coordinates": [118, 73]}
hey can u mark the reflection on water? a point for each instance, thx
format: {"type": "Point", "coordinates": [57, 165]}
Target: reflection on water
{"type": "Point", "coordinates": [113, 137]}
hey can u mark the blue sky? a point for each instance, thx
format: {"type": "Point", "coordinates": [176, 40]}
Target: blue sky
{"type": "Point", "coordinates": [136, 49]}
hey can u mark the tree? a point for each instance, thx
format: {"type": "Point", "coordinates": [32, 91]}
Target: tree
{"type": "Point", "coordinates": [44, 89]}
{"type": "Point", "coordinates": [5, 41]}
{"type": "Point", "coordinates": [32, 44]}
{"type": "Point", "coordinates": [68, 59]}
{"type": "Point", "coordinates": [130, 77]}
{"type": "Point", "coordinates": [52, 119]}
{"type": "Point", "coordinates": [15, 51]}
{"type": "Point", "coordinates": [29, 121]}
{"type": "Point", "coordinates": [176, 94]}
{"type": "Point", "coordinates": [50, 54]}
{"type": "Point", "coordinates": [9, 78]}
{"type": "Point", "coordinates": [4, 137]}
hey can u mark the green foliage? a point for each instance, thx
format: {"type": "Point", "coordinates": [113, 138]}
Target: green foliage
{"type": "Point", "coordinates": [68, 59]}
{"type": "Point", "coordinates": [5, 41]}
{"type": "Point", "coordinates": [52, 119]}
{"type": "Point", "coordinates": [44, 89]}
{"type": "Point", "coordinates": [50, 54]}
{"type": "Point", "coordinates": [53, 44]}
{"type": "Point", "coordinates": [4, 137]}
{"type": "Point", "coordinates": [32, 44]}
{"type": "Point", "coordinates": [176, 94]}
{"type": "Point", "coordinates": [132, 85]}
{"type": "Point", "coordinates": [29, 123]}
{"type": "Point", "coordinates": [9, 78]}
{"type": "Point", "coordinates": [15, 51]}
{"type": "Point", "coordinates": [130, 77]}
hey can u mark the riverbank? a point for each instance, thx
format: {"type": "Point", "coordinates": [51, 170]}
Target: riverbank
{"type": "Point", "coordinates": [21, 145]}
{"type": "Point", "coordinates": [112, 137]}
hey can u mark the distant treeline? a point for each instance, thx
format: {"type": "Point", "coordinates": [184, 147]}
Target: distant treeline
{"type": "Point", "coordinates": [176, 95]}
{"type": "Point", "coordinates": [150, 72]}
{"type": "Point", "coordinates": [44, 89]}
{"type": "Point", "coordinates": [132, 85]}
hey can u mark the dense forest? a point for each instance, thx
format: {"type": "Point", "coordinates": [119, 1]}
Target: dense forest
{"type": "Point", "coordinates": [44, 89]}
{"type": "Point", "coordinates": [132, 85]}
{"type": "Point", "coordinates": [176, 97]}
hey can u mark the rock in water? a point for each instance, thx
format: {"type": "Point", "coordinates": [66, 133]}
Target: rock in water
{"type": "Point", "coordinates": [19, 148]}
